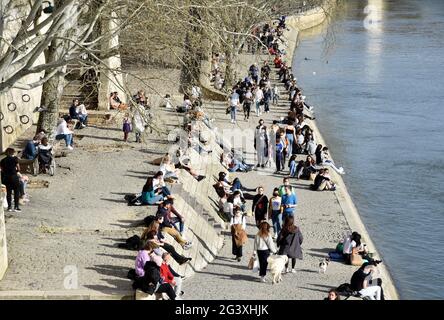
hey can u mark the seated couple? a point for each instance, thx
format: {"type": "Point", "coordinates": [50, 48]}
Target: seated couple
{"type": "Point", "coordinates": [154, 274]}
{"type": "Point", "coordinates": [171, 170]}
{"type": "Point", "coordinates": [354, 252]}
{"type": "Point", "coordinates": [323, 182]}
{"type": "Point", "coordinates": [116, 103]}
{"type": "Point", "coordinates": [322, 159]}
{"type": "Point", "coordinates": [303, 169]}
{"type": "Point", "coordinates": [234, 164]}
{"type": "Point", "coordinates": [154, 192]}
{"type": "Point", "coordinates": [78, 111]}
{"type": "Point", "coordinates": [41, 149]}
{"type": "Point", "coordinates": [225, 188]}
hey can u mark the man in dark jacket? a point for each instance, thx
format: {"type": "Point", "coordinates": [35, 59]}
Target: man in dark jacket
{"type": "Point", "coordinates": [363, 283]}
{"type": "Point", "coordinates": [10, 169]}
{"type": "Point", "coordinates": [260, 206]}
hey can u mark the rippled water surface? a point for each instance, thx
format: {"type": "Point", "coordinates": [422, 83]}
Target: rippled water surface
{"type": "Point", "coordinates": [378, 92]}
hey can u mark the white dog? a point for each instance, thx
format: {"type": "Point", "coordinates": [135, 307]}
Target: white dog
{"type": "Point", "coordinates": [277, 266]}
{"type": "Point", "coordinates": [323, 265]}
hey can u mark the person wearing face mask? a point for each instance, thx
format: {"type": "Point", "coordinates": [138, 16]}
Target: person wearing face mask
{"type": "Point", "coordinates": [239, 236]}
{"type": "Point", "coordinates": [260, 206]}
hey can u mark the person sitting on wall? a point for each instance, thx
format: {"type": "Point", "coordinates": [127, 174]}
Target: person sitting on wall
{"type": "Point", "coordinates": [140, 98]}
{"type": "Point", "coordinates": [75, 114]}
{"type": "Point", "coordinates": [115, 102]}
{"type": "Point", "coordinates": [30, 151]}
{"type": "Point", "coordinates": [63, 132]}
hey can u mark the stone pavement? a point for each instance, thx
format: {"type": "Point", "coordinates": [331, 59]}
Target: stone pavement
{"type": "Point", "coordinates": [318, 214]}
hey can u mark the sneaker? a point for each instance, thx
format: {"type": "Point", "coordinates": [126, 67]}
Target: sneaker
{"type": "Point", "coordinates": [83, 126]}
{"type": "Point", "coordinates": [70, 148]}
{"type": "Point", "coordinates": [341, 170]}
{"type": "Point", "coordinates": [18, 209]}
{"type": "Point", "coordinates": [263, 279]}
{"type": "Point", "coordinates": [293, 270]}
{"type": "Point", "coordinates": [239, 259]}
{"type": "Point", "coordinates": [9, 210]}
{"type": "Point", "coordinates": [288, 270]}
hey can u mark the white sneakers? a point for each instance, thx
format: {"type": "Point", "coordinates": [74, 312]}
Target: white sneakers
{"type": "Point", "coordinates": [187, 245]}
{"type": "Point", "coordinates": [70, 148]}
{"type": "Point", "coordinates": [263, 279]}
{"type": "Point", "coordinates": [341, 170]}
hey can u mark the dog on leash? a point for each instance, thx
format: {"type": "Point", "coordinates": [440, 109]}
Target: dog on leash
{"type": "Point", "coordinates": [277, 266]}
{"type": "Point", "coordinates": [323, 265]}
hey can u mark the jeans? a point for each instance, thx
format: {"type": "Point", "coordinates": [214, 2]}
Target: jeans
{"type": "Point", "coordinates": [267, 105]}
{"type": "Point", "coordinates": [276, 218]}
{"type": "Point", "coordinates": [233, 113]}
{"type": "Point", "coordinates": [258, 107]}
{"type": "Point", "coordinates": [67, 137]}
{"type": "Point", "coordinates": [83, 119]}
{"type": "Point", "coordinates": [263, 255]}
{"type": "Point", "coordinates": [287, 214]}
{"type": "Point", "coordinates": [179, 225]}
{"type": "Point", "coordinates": [275, 98]}
{"type": "Point", "coordinates": [165, 191]}
{"type": "Point", "coordinates": [279, 165]}
{"type": "Point", "coordinates": [293, 169]}
{"type": "Point", "coordinates": [290, 139]}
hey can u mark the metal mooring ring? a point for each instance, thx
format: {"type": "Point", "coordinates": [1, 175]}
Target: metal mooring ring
{"type": "Point", "coordinates": [12, 106]}
{"type": "Point", "coordinates": [8, 129]}
{"type": "Point", "coordinates": [24, 119]}
{"type": "Point", "coordinates": [26, 97]}
{"type": "Point", "coordinates": [2, 116]}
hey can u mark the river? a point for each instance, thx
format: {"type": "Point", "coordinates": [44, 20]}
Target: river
{"type": "Point", "coordinates": [377, 86]}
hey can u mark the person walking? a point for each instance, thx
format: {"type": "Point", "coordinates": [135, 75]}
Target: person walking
{"type": "Point", "coordinates": [234, 104]}
{"type": "Point", "coordinates": [248, 100]}
{"type": "Point", "coordinates": [10, 170]}
{"type": "Point", "coordinates": [126, 127]}
{"type": "Point", "coordinates": [261, 143]}
{"type": "Point", "coordinates": [260, 206]}
{"type": "Point", "coordinates": [289, 242]}
{"type": "Point", "coordinates": [280, 146]}
{"type": "Point", "coordinates": [259, 99]}
{"type": "Point", "coordinates": [276, 212]}
{"type": "Point", "coordinates": [289, 202]}
{"type": "Point", "coordinates": [275, 94]}
{"type": "Point", "coordinates": [239, 236]}
{"type": "Point", "coordinates": [263, 246]}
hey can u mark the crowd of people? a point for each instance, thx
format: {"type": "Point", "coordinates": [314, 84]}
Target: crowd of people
{"type": "Point", "coordinates": [282, 143]}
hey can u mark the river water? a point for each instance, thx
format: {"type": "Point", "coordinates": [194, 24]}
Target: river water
{"type": "Point", "coordinates": [377, 86]}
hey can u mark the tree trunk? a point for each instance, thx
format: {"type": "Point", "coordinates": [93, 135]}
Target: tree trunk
{"type": "Point", "coordinates": [229, 71]}
{"type": "Point", "coordinates": [52, 91]}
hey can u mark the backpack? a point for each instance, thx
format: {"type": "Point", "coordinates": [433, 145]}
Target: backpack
{"type": "Point", "coordinates": [133, 200]}
{"type": "Point", "coordinates": [131, 274]}
{"type": "Point", "coordinates": [345, 289]}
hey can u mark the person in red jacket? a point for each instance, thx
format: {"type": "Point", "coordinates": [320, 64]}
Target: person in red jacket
{"type": "Point", "coordinates": [170, 276]}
